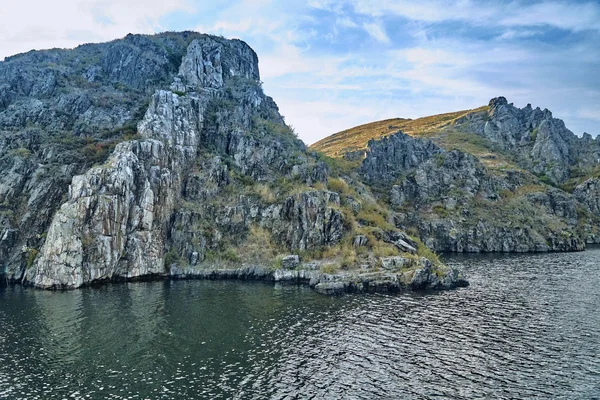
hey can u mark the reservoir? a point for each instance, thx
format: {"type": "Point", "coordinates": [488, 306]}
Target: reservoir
{"type": "Point", "coordinates": [527, 327]}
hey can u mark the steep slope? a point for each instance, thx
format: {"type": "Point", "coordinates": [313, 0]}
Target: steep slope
{"type": "Point", "coordinates": [206, 181]}
{"type": "Point", "coordinates": [496, 178]}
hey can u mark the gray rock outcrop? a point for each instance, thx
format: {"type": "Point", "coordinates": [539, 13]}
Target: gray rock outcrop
{"type": "Point", "coordinates": [542, 143]}
{"type": "Point", "coordinates": [456, 204]}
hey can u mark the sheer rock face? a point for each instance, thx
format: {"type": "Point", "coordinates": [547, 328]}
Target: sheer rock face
{"type": "Point", "coordinates": [208, 64]}
{"type": "Point", "coordinates": [114, 221]}
{"type": "Point", "coordinates": [437, 177]}
{"type": "Point", "coordinates": [61, 111]}
{"type": "Point", "coordinates": [307, 220]}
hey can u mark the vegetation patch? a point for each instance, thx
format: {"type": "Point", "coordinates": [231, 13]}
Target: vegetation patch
{"type": "Point", "coordinates": [21, 152]}
{"type": "Point", "coordinates": [373, 214]}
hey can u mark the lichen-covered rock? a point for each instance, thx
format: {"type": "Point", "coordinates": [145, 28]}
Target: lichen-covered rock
{"type": "Point", "coordinates": [306, 220]}
{"type": "Point", "coordinates": [360, 241]}
{"type": "Point", "coordinates": [113, 223]}
{"type": "Point", "coordinates": [588, 193]}
{"type": "Point", "coordinates": [457, 204]}
{"type": "Point", "coordinates": [393, 263]}
{"type": "Point", "coordinates": [61, 111]}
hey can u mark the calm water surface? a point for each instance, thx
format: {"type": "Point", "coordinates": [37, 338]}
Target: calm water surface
{"type": "Point", "coordinates": [527, 327]}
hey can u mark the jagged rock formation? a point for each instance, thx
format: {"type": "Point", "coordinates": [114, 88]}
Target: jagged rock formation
{"type": "Point", "coordinates": [542, 144]}
{"type": "Point", "coordinates": [61, 111]}
{"type": "Point", "coordinates": [177, 162]}
{"type": "Point", "coordinates": [495, 179]}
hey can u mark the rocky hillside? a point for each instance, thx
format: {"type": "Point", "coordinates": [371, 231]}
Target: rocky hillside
{"type": "Point", "coordinates": [497, 178]}
{"type": "Point", "coordinates": [161, 156]}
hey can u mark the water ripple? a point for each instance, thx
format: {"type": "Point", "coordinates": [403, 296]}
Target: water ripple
{"type": "Point", "coordinates": [528, 327]}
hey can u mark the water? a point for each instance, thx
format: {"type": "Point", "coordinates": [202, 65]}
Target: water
{"type": "Point", "coordinates": [527, 327]}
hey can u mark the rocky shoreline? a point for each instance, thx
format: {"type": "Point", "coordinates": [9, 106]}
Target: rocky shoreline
{"type": "Point", "coordinates": [353, 281]}
{"type": "Point", "coordinates": [391, 279]}
{"type": "Point", "coordinates": [335, 284]}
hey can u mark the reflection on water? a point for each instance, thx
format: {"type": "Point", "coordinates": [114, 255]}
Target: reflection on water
{"type": "Point", "coordinates": [527, 327]}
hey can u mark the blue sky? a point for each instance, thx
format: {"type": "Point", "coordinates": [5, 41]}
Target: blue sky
{"type": "Point", "coordinates": [331, 65]}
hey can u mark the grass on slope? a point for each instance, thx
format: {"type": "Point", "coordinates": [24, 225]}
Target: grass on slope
{"type": "Point", "coordinates": [357, 138]}
{"type": "Point", "coordinates": [441, 129]}
{"type": "Point", "coordinates": [493, 158]}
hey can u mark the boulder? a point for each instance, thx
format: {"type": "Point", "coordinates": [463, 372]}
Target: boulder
{"type": "Point", "coordinates": [290, 262]}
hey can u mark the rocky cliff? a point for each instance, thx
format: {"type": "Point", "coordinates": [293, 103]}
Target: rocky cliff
{"type": "Point", "coordinates": [495, 179]}
{"type": "Point", "coordinates": [161, 156]}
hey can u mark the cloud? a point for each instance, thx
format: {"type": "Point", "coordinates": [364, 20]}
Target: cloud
{"type": "Point", "coordinates": [563, 15]}
{"type": "Point", "coordinates": [512, 34]}
{"type": "Point", "coordinates": [377, 32]}
{"type": "Point", "coordinates": [424, 10]}
{"type": "Point", "coordinates": [589, 113]}
{"type": "Point", "coordinates": [560, 14]}
{"type": "Point", "coordinates": [346, 22]}
{"type": "Point", "coordinates": [30, 25]}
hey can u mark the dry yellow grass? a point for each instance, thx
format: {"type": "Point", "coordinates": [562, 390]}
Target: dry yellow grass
{"type": "Point", "coordinates": [439, 128]}
{"type": "Point", "coordinates": [357, 138]}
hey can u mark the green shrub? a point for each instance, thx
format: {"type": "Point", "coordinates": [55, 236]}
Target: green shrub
{"type": "Point", "coordinates": [171, 257]}
{"type": "Point", "coordinates": [230, 255]}
{"type": "Point", "coordinates": [338, 166]}
{"type": "Point", "coordinates": [31, 256]}
{"type": "Point", "coordinates": [534, 134]}
{"type": "Point", "coordinates": [21, 152]}
{"type": "Point", "coordinates": [262, 126]}
{"type": "Point", "coordinates": [440, 159]}
{"type": "Point", "coordinates": [278, 262]}
{"type": "Point", "coordinates": [440, 210]}
{"type": "Point", "coordinates": [373, 214]}
{"type": "Point", "coordinates": [424, 251]}
{"type": "Point", "coordinates": [339, 185]}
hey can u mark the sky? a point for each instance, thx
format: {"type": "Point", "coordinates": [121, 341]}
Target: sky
{"type": "Point", "coordinates": [331, 65]}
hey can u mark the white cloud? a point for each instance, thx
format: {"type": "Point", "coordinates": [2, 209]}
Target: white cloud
{"type": "Point", "coordinates": [518, 33]}
{"type": "Point", "coordinates": [570, 16]}
{"type": "Point", "coordinates": [589, 113]}
{"type": "Point", "coordinates": [346, 22]}
{"type": "Point", "coordinates": [424, 10]}
{"type": "Point", "coordinates": [377, 32]}
{"type": "Point", "coordinates": [30, 24]}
